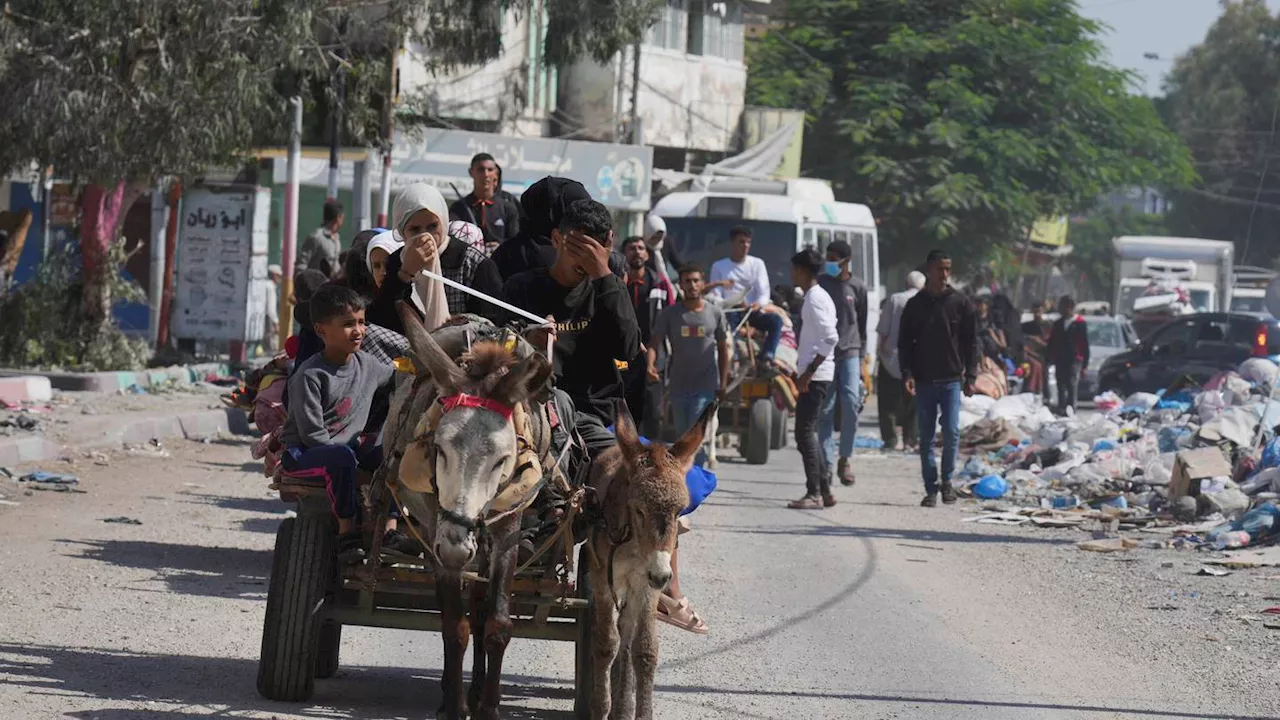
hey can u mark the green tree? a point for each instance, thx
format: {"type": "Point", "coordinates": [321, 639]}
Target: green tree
{"type": "Point", "coordinates": [115, 94]}
{"type": "Point", "coordinates": [961, 121]}
{"type": "Point", "coordinates": [1223, 98]}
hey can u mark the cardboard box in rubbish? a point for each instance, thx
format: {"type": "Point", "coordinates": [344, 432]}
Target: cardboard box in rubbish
{"type": "Point", "coordinates": [1192, 466]}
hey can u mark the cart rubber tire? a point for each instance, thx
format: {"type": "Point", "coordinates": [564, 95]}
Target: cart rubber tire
{"type": "Point", "coordinates": [778, 434]}
{"type": "Point", "coordinates": [584, 666]}
{"type": "Point", "coordinates": [300, 573]}
{"type": "Point", "coordinates": [756, 440]}
{"type": "Point", "coordinates": [328, 646]}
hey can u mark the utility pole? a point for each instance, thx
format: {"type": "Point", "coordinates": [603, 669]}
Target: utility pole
{"type": "Point", "coordinates": [336, 112]}
{"type": "Point", "coordinates": [159, 215]}
{"type": "Point", "coordinates": [388, 135]}
{"type": "Point", "coordinates": [289, 242]}
{"type": "Point", "coordinates": [637, 137]}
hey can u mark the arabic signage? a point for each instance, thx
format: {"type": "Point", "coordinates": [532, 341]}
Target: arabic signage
{"type": "Point", "coordinates": [222, 283]}
{"type": "Point", "coordinates": [616, 175]}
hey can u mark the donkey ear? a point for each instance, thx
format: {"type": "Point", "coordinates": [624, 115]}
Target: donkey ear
{"type": "Point", "coordinates": [526, 379]}
{"type": "Point", "coordinates": [687, 446]}
{"type": "Point", "coordinates": [625, 430]}
{"type": "Point", "coordinates": [427, 352]}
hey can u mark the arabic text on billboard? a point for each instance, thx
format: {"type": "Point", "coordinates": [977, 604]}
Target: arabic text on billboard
{"type": "Point", "coordinates": [616, 175]}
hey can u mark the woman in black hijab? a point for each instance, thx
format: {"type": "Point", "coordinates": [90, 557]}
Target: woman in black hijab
{"type": "Point", "coordinates": [542, 205]}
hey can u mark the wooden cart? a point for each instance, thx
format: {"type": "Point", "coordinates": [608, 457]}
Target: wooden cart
{"type": "Point", "coordinates": [312, 595]}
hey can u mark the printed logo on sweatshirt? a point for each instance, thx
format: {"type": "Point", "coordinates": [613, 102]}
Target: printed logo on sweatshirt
{"type": "Point", "coordinates": [575, 326]}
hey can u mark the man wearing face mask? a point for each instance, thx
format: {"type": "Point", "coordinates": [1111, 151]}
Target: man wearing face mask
{"type": "Point", "coordinates": [850, 296]}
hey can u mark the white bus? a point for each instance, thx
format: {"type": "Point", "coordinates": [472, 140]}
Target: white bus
{"type": "Point", "coordinates": [785, 216]}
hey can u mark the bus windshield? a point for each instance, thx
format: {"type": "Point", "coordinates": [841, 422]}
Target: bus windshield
{"type": "Point", "coordinates": [703, 241]}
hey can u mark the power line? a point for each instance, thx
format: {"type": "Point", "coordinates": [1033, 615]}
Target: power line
{"type": "Point", "coordinates": [1266, 165]}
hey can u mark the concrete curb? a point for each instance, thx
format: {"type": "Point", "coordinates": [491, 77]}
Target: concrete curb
{"type": "Point", "coordinates": [111, 382]}
{"type": "Point", "coordinates": [132, 431]}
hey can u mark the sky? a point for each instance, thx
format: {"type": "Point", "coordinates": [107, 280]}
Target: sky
{"type": "Point", "coordinates": [1164, 27]}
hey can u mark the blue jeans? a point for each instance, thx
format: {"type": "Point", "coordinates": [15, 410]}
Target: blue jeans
{"type": "Point", "coordinates": [934, 400]}
{"type": "Point", "coordinates": [685, 410]}
{"type": "Point", "coordinates": [767, 323]}
{"type": "Point", "coordinates": [341, 462]}
{"type": "Point", "coordinates": [848, 391]}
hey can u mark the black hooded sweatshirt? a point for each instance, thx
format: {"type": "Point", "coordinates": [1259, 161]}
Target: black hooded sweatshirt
{"type": "Point", "coordinates": [937, 338]}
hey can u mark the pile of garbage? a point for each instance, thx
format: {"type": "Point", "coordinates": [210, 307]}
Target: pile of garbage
{"type": "Point", "coordinates": [1207, 454]}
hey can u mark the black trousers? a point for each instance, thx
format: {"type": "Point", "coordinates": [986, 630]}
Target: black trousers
{"type": "Point", "coordinates": [897, 407]}
{"type": "Point", "coordinates": [817, 474]}
{"type": "Point", "coordinates": [1068, 386]}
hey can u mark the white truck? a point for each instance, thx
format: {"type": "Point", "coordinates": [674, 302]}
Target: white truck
{"type": "Point", "coordinates": [1249, 292]}
{"type": "Point", "coordinates": [1172, 275]}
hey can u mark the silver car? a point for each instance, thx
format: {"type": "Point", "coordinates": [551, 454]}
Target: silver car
{"type": "Point", "coordinates": [1108, 335]}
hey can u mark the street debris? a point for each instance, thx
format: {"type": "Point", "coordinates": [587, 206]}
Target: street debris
{"type": "Point", "coordinates": [1197, 467]}
{"type": "Point", "coordinates": [1213, 572]}
{"type": "Point", "coordinates": [122, 520]}
{"type": "Point", "coordinates": [1108, 545]}
{"type": "Point", "coordinates": [51, 481]}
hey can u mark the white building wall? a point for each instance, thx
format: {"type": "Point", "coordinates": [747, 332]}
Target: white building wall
{"type": "Point", "coordinates": [516, 91]}
{"type": "Point", "coordinates": [689, 101]}
{"type": "Point", "coordinates": [692, 82]}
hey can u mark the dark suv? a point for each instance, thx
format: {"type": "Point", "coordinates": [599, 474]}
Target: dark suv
{"type": "Point", "coordinates": [1200, 345]}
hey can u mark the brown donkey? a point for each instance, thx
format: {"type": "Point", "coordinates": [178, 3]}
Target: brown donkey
{"type": "Point", "coordinates": [640, 492]}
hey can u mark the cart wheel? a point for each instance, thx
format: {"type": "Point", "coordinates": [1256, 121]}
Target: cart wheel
{"type": "Point", "coordinates": [778, 434]}
{"type": "Point", "coordinates": [583, 681]}
{"type": "Point", "coordinates": [755, 441]}
{"type": "Point", "coordinates": [328, 645]}
{"type": "Point", "coordinates": [301, 569]}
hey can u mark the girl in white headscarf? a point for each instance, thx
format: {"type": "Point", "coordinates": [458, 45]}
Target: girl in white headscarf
{"type": "Point", "coordinates": [421, 217]}
{"type": "Point", "coordinates": [380, 249]}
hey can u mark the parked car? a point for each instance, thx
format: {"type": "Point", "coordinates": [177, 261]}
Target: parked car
{"type": "Point", "coordinates": [1108, 335]}
{"type": "Point", "coordinates": [1200, 346]}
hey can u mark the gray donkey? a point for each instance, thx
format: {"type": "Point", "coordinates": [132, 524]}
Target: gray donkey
{"type": "Point", "coordinates": [640, 491]}
{"type": "Point", "coordinates": [467, 449]}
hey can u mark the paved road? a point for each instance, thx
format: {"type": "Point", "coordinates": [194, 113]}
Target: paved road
{"type": "Point", "coordinates": [873, 609]}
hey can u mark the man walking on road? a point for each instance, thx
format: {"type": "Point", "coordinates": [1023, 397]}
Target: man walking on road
{"type": "Point", "coordinates": [698, 368]}
{"type": "Point", "coordinates": [1069, 353]}
{"type": "Point", "coordinates": [938, 350]}
{"type": "Point", "coordinates": [650, 294]}
{"type": "Point", "coordinates": [897, 407]}
{"type": "Point", "coordinates": [817, 345]}
{"type": "Point", "coordinates": [850, 297]}
{"type": "Point", "coordinates": [321, 248]}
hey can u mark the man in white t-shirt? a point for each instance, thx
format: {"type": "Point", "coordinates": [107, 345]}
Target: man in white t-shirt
{"type": "Point", "coordinates": [740, 274]}
{"type": "Point", "coordinates": [816, 348]}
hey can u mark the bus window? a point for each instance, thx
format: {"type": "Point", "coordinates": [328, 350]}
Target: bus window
{"type": "Point", "coordinates": [808, 237]}
{"type": "Point", "coordinates": [824, 239]}
{"type": "Point", "coordinates": [857, 261]}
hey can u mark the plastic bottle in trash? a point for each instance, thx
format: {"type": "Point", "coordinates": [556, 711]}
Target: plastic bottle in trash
{"type": "Point", "coordinates": [1065, 502]}
{"type": "Point", "coordinates": [1233, 539]}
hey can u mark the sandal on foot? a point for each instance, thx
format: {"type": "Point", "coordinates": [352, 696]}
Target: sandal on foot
{"type": "Point", "coordinates": [678, 613]}
{"type": "Point", "coordinates": [808, 502]}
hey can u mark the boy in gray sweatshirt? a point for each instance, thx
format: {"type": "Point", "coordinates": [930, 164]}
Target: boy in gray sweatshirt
{"type": "Point", "coordinates": [330, 396]}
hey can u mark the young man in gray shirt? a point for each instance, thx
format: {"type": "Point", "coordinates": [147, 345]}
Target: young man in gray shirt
{"type": "Point", "coordinates": [698, 368]}
{"type": "Point", "coordinates": [330, 396]}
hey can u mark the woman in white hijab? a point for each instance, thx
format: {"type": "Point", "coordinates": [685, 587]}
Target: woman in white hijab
{"type": "Point", "coordinates": [662, 259]}
{"type": "Point", "coordinates": [420, 219]}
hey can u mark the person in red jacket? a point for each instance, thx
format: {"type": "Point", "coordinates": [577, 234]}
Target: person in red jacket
{"type": "Point", "coordinates": [1069, 352]}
